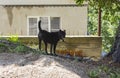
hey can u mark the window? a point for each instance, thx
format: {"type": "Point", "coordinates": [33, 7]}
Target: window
{"type": "Point", "coordinates": [55, 23]}
{"type": "Point", "coordinates": [32, 26]}
{"type": "Point", "coordinates": [44, 23]}
{"type": "Point", "coordinates": [50, 24]}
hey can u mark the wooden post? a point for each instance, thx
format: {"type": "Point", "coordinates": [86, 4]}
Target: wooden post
{"type": "Point", "coordinates": [99, 21]}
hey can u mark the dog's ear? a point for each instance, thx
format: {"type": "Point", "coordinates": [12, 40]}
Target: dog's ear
{"type": "Point", "coordinates": [64, 30]}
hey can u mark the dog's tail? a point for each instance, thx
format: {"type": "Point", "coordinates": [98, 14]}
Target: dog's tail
{"type": "Point", "coordinates": [39, 25]}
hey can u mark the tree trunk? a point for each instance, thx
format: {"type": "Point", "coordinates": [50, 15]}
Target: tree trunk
{"type": "Point", "coordinates": [99, 21]}
{"type": "Point", "coordinates": [115, 51]}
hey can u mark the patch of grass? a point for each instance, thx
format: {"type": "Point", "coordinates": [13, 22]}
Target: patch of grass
{"type": "Point", "coordinates": [2, 45]}
{"type": "Point", "coordinates": [105, 69]}
{"type": "Point", "coordinates": [15, 46]}
{"type": "Point", "coordinates": [109, 72]}
{"type": "Point", "coordinates": [20, 48]}
{"type": "Point", "coordinates": [93, 74]}
{"type": "Point", "coordinates": [115, 73]}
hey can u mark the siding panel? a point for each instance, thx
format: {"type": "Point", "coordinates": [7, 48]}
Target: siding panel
{"type": "Point", "coordinates": [36, 2]}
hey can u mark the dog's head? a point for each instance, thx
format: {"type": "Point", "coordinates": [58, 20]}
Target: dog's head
{"type": "Point", "coordinates": [62, 34]}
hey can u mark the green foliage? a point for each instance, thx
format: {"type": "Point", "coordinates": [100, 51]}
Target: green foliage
{"type": "Point", "coordinates": [15, 47]}
{"type": "Point", "coordinates": [114, 75]}
{"type": "Point", "coordinates": [13, 38]}
{"type": "Point", "coordinates": [105, 69]}
{"type": "Point", "coordinates": [107, 4]}
{"type": "Point", "coordinates": [93, 74]}
{"type": "Point", "coordinates": [109, 26]}
{"type": "Point", "coordinates": [92, 21]}
{"type": "Point", "coordinates": [109, 72]}
{"type": "Point", "coordinates": [20, 48]}
{"type": "Point", "coordinates": [79, 2]}
{"type": "Point", "coordinates": [4, 46]}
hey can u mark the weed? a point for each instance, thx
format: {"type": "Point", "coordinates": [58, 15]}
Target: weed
{"type": "Point", "coordinates": [13, 38]}
{"type": "Point", "coordinates": [93, 74]}
{"type": "Point", "coordinates": [3, 46]}
{"type": "Point", "coordinates": [113, 75]}
{"type": "Point", "coordinates": [105, 69]}
{"type": "Point", "coordinates": [20, 48]}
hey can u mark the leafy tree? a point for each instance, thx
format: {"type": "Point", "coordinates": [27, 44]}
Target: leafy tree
{"type": "Point", "coordinates": [108, 28]}
{"type": "Point", "coordinates": [109, 11]}
{"type": "Point", "coordinates": [111, 6]}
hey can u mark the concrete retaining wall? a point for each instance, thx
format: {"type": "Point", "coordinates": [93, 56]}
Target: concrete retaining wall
{"type": "Point", "coordinates": [75, 46]}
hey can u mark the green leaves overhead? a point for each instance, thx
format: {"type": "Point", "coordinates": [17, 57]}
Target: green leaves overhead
{"type": "Point", "coordinates": [79, 2]}
{"type": "Point", "coordinates": [108, 4]}
{"type": "Point", "coordinates": [111, 8]}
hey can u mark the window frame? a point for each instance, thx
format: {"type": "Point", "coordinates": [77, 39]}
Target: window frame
{"type": "Point", "coordinates": [38, 18]}
{"type": "Point", "coordinates": [59, 24]}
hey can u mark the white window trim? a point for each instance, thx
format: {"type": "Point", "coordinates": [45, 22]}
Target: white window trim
{"type": "Point", "coordinates": [28, 23]}
{"type": "Point", "coordinates": [49, 23]}
{"type": "Point", "coordinates": [49, 27]}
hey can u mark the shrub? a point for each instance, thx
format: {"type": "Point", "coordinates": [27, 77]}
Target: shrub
{"type": "Point", "coordinates": [13, 38]}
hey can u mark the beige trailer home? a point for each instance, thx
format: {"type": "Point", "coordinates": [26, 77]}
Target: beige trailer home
{"type": "Point", "coordinates": [21, 17]}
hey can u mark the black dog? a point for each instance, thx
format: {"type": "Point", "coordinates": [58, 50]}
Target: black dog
{"type": "Point", "coordinates": [50, 37]}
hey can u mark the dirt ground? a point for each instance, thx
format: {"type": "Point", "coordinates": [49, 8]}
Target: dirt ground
{"type": "Point", "coordinates": [13, 65]}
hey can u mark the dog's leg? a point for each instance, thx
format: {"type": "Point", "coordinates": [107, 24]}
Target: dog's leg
{"type": "Point", "coordinates": [40, 43]}
{"type": "Point", "coordinates": [51, 46]}
{"type": "Point", "coordinates": [54, 49]}
{"type": "Point", "coordinates": [46, 47]}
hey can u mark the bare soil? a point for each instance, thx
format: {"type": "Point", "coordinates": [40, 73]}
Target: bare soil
{"type": "Point", "coordinates": [13, 65]}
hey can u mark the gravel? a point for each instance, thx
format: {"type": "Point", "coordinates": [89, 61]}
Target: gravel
{"type": "Point", "coordinates": [14, 65]}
